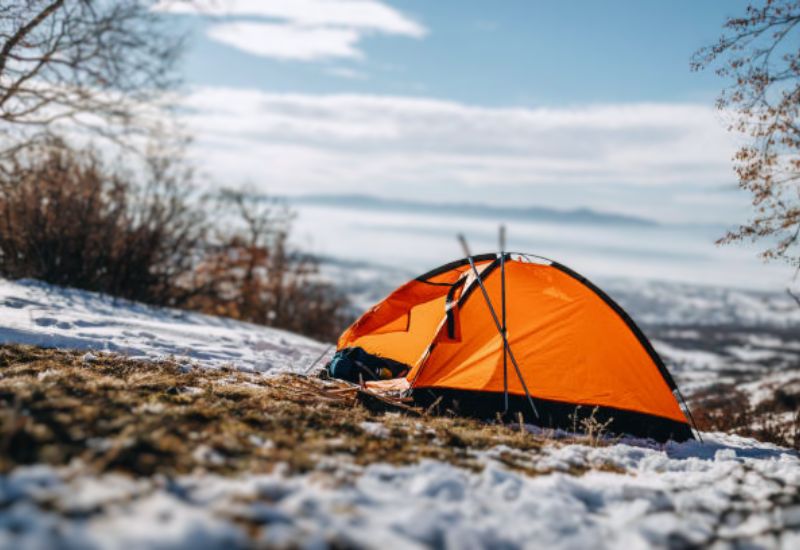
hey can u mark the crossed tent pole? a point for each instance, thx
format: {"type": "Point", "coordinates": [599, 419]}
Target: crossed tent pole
{"type": "Point", "coordinates": [501, 327]}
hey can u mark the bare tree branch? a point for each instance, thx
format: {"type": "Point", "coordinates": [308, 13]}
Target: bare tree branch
{"type": "Point", "coordinates": [760, 56]}
{"type": "Point", "coordinates": [24, 31]}
{"type": "Point", "coordinates": [63, 60]}
{"type": "Point", "coordinates": [793, 295]}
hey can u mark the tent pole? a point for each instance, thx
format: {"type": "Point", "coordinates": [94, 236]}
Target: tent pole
{"type": "Point", "coordinates": [689, 412]}
{"type": "Point", "coordinates": [503, 311]}
{"type": "Point", "coordinates": [497, 322]}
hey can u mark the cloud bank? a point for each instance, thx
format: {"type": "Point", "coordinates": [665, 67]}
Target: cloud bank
{"type": "Point", "coordinates": [300, 30]}
{"type": "Point", "coordinates": [300, 142]}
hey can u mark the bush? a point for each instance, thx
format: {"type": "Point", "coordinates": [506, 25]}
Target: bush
{"type": "Point", "coordinates": [253, 276]}
{"type": "Point", "coordinates": [725, 408]}
{"type": "Point", "coordinates": [67, 219]}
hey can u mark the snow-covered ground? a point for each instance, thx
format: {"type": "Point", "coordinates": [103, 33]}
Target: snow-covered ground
{"type": "Point", "coordinates": [38, 314]}
{"type": "Point", "coordinates": [638, 495]}
{"type": "Point", "coordinates": [724, 492]}
{"type": "Point", "coordinates": [668, 303]}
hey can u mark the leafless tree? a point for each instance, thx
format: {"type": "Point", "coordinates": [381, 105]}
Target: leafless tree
{"type": "Point", "coordinates": [759, 55]}
{"type": "Point", "coordinates": [255, 275]}
{"type": "Point", "coordinates": [97, 64]}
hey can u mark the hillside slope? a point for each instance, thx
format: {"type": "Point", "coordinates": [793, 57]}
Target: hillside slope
{"type": "Point", "coordinates": [363, 480]}
{"type": "Point", "coordinates": [42, 315]}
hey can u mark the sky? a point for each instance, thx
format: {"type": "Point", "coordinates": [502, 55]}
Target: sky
{"type": "Point", "coordinates": [580, 104]}
{"type": "Point", "coordinates": [523, 53]}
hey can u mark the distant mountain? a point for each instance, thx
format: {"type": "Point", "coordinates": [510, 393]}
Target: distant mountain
{"type": "Point", "coordinates": [527, 213]}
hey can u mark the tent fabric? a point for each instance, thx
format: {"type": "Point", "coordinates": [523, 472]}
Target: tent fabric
{"type": "Point", "coordinates": [403, 325]}
{"type": "Point", "coordinates": [574, 345]}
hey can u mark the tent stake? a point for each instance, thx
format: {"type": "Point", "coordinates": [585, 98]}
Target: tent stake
{"type": "Point", "coordinates": [497, 322]}
{"type": "Point", "coordinates": [318, 359]}
{"type": "Point", "coordinates": [503, 312]}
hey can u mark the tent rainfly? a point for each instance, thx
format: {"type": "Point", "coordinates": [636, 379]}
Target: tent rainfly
{"type": "Point", "coordinates": [518, 334]}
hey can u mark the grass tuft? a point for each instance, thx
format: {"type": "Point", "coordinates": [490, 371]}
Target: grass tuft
{"type": "Point", "coordinates": [113, 413]}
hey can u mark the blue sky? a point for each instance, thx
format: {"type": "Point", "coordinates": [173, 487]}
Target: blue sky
{"type": "Point", "coordinates": [560, 104]}
{"type": "Point", "coordinates": [580, 104]}
{"type": "Point", "coordinates": [508, 52]}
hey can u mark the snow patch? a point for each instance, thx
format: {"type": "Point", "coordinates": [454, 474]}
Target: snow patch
{"type": "Point", "coordinates": [728, 489]}
{"type": "Point", "coordinates": [375, 429]}
{"type": "Point", "coordinates": [43, 315]}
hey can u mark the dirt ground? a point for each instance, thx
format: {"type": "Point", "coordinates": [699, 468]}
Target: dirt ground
{"type": "Point", "coordinates": [117, 414]}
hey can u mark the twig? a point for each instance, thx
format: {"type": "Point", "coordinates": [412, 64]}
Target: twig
{"type": "Point", "coordinates": [364, 396]}
{"type": "Point", "coordinates": [433, 405]}
{"type": "Point", "coordinates": [794, 296]}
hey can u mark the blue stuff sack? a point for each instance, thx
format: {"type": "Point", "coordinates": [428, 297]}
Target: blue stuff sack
{"type": "Point", "coordinates": [355, 364]}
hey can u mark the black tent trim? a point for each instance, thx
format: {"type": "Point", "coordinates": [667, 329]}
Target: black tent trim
{"type": "Point", "coordinates": [552, 414]}
{"type": "Point", "coordinates": [451, 317]}
{"type": "Point", "coordinates": [452, 265]}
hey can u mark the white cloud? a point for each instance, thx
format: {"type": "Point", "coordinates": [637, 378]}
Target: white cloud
{"type": "Point", "coordinates": [369, 143]}
{"type": "Point", "coordinates": [287, 41]}
{"type": "Point", "coordinates": [346, 72]}
{"type": "Point", "coordinates": [299, 29]}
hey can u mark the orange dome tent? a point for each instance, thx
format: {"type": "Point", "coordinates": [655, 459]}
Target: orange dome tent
{"type": "Point", "coordinates": [574, 352]}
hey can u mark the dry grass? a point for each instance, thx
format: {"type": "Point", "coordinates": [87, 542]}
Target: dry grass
{"type": "Point", "coordinates": [144, 418]}
{"type": "Point", "coordinates": [727, 409]}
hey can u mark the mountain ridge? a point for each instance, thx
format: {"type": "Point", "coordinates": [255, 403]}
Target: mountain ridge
{"type": "Point", "coordinates": [583, 215]}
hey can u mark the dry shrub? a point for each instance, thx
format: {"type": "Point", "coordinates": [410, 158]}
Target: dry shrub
{"type": "Point", "coordinates": [66, 219]}
{"type": "Point", "coordinates": [252, 274]}
{"type": "Point", "coordinates": [725, 408]}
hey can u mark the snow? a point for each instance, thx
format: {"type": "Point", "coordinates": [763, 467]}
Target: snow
{"type": "Point", "coordinates": [726, 489]}
{"type": "Point", "coordinates": [764, 388]}
{"type": "Point", "coordinates": [693, 359]}
{"type": "Point", "coordinates": [375, 429]}
{"type": "Point", "coordinates": [38, 314]}
{"type": "Point", "coordinates": [661, 302]}
{"type": "Point", "coordinates": [635, 494]}
{"type": "Point", "coordinates": [771, 342]}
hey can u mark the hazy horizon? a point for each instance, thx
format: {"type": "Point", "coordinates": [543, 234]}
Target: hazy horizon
{"type": "Point", "coordinates": [415, 242]}
{"type": "Point", "coordinates": [524, 105]}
